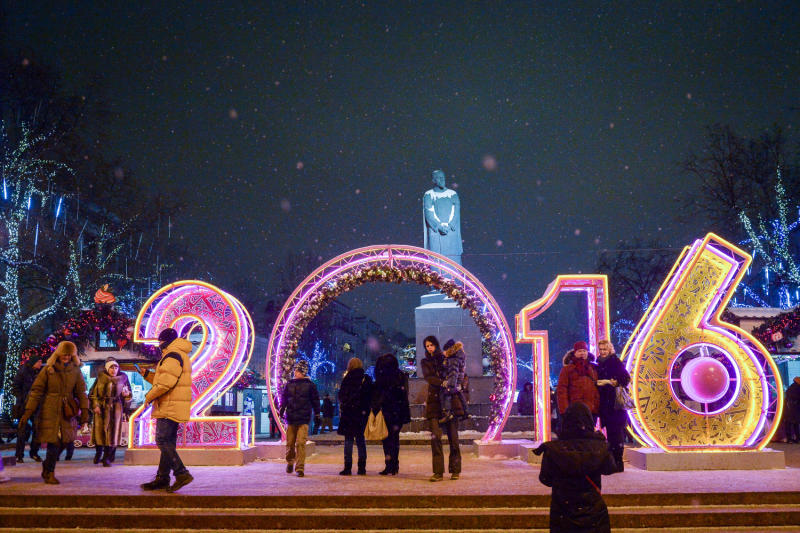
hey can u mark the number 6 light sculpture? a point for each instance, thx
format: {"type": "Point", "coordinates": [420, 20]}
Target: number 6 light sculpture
{"type": "Point", "coordinates": [700, 383]}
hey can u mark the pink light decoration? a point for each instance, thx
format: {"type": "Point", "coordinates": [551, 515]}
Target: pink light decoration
{"type": "Point", "coordinates": [705, 379]}
{"type": "Point", "coordinates": [389, 256]}
{"type": "Point", "coordinates": [226, 347]}
{"type": "Point", "coordinates": [595, 287]}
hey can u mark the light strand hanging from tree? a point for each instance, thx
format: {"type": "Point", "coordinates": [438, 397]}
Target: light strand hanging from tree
{"type": "Point", "coordinates": [771, 243]}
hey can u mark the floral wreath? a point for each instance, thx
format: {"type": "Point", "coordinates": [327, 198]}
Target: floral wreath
{"type": "Point", "coordinates": [421, 275]}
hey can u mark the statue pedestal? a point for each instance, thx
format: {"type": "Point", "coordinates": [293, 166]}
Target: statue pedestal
{"type": "Point", "coordinates": [440, 316]}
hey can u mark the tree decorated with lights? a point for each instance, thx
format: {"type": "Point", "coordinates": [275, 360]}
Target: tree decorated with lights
{"type": "Point", "coordinates": [774, 245]}
{"type": "Point", "coordinates": [319, 360]}
{"type": "Point", "coordinates": [27, 178]}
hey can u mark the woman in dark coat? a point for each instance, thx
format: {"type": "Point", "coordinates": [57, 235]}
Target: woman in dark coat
{"type": "Point", "coordinates": [611, 373]}
{"type": "Point", "coordinates": [390, 396]}
{"type": "Point", "coordinates": [572, 466]}
{"type": "Point", "coordinates": [354, 404]}
{"type": "Point", "coordinates": [433, 372]}
{"type": "Point", "coordinates": [525, 400]}
{"type": "Point", "coordinates": [59, 382]}
{"type": "Point", "coordinates": [110, 399]}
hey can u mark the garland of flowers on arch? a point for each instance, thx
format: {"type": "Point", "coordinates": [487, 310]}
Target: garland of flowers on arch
{"type": "Point", "coordinates": [389, 271]}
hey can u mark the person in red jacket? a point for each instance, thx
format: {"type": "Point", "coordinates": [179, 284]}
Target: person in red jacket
{"type": "Point", "coordinates": [577, 381]}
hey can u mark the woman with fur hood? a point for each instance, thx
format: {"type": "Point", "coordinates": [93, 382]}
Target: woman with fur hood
{"type": "Point", "coordinates": [60, 390]}
{"type": "Point", "coordinates": [110, 399]}
{"type": "Point", "coordinates": [577, 381]}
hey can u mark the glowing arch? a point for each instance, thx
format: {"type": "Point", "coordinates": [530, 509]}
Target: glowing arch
{"type": "Point", "coordinates": [395, 263]}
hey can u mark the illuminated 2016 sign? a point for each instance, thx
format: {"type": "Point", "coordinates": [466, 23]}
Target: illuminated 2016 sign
{"type": "Point", "coordinates": [223, 353]}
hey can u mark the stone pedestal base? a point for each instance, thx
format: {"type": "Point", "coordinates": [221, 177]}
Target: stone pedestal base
{"type": "Point", "coordinates": [499, 449]}
{"type": "Point", "coordinates": [656, 459]}
{"type": "Point", "coordinates": [194, 457]}
{"type": "Point", "coordinates": [276, 449]}
{"type": "Point", "coordinates": [526, 453]}
{"type": "Point", "coordinates": [443, 318]}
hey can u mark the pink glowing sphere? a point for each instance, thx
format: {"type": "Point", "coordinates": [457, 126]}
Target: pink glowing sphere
{"type": "Point", "coordinates": [705, 379]}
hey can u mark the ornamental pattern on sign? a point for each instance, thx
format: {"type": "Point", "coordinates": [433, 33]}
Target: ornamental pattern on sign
{"type": "Point", "coordinates": [683, 315]}
{"type": "Point", "coordinates": [221, 355]}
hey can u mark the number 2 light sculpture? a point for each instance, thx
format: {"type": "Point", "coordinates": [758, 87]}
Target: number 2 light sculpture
{"type": "Point", "coordinates": [223, 353]}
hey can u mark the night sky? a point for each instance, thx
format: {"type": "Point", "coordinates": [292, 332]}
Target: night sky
{"type": "Point", "coordinates": [316, 128]}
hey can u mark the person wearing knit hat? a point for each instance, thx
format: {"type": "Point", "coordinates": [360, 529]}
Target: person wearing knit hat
{"type": "Point", "coordinates": [302, 367]}
{"type": "Point", "coordinates": [299, 399]}
{"type": "Point", "coordinates": [110, 398]}
{"type": "Point", "coordinates": [171, 398]}
{"type": "Point", "coordinates": [577, 381]}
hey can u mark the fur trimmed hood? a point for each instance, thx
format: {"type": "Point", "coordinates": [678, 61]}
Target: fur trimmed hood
{"type": "Point", "coordinates": [454, 349]}
{"type": "Point", "coordinates": [567, 360]}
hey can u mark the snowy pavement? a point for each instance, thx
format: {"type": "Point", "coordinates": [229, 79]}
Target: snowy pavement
{"type": "Point", "coordinates": [479, 476]}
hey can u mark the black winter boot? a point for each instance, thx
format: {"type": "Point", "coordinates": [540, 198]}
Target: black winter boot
{"type": "Point", "coordinates": [618, 452]}
{"type": "Point", "coordinates": [113, 453]}
{"type": "Point", "coordinates": [107, 456]}
{"type": "Point", "coordinates": [181, 480]}
{"type": "Point", "coordinates": [156, 484]}
{"type": "Point", "coordinates": [98, 454]}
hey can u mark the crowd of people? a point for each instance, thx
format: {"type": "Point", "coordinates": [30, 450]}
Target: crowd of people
{"type": "Point", "coordinates": [360, 397]}
{"type": "Point", "coordinates": [52, 402]}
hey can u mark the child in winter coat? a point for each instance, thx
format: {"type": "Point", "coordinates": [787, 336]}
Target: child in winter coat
{"type": "Point", "coordinates": [454, 366]}
{"type": "Point", "coordinates": [572, 466]}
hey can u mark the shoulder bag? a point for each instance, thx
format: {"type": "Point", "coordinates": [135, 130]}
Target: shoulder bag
{"type": "Point", "coordinates": [376, 427]}
{"type": "Point", "coordinates": [622, 400]}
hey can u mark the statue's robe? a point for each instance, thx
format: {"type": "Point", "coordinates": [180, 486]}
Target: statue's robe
{"type": "Point", "coordinates": [438, 207]}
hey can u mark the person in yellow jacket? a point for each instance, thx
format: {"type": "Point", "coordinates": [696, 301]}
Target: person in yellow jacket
{"type": "Point", "coordinates": [171, 397]}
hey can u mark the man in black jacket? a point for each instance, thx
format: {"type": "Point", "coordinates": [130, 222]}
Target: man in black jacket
{"type": "Point", "coordinates": [299, 399]}
{"type": "Point", "coordinates": [21, 388]}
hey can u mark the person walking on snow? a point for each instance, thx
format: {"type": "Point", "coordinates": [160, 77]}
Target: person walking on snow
{"type": "Point", "coordinates": [171, 398]}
